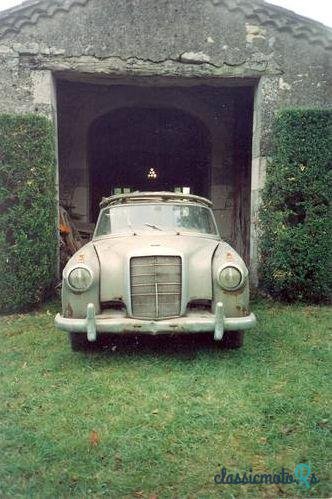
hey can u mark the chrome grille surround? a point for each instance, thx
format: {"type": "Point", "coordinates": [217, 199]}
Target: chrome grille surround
{"type": "Point", "coordinates": [155, 286]}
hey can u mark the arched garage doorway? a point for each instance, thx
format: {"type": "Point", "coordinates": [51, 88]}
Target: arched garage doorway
{"type": "Point", "coordinates": [147, 149]}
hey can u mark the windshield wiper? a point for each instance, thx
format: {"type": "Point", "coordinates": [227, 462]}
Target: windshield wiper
{"type": "Point", "coordinates": [153, 226]}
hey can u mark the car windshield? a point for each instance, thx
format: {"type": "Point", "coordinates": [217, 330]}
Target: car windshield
{"type": "Point", "coordinates": [155, 217]}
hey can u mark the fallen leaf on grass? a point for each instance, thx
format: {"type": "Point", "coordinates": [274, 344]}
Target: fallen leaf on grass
{"type": "Point", "coordinates": [94, 438]}
{"type": "Point", "coordinates": [323, 423]}
{"type": "Point", "coordinates": [287, 430]}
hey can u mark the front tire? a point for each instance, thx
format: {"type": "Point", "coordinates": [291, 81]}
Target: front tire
{"type": "Point", "coordinates": [80, 343]}
{"type": "Point", "coordinates": [232, 340]}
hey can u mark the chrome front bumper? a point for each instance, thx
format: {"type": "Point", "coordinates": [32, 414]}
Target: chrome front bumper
{"type": "Point", "coordinates": [193, 322]}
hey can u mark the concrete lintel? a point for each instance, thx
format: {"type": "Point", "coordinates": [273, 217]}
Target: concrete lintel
{"type": "Point", "coordinates": [116, 66]}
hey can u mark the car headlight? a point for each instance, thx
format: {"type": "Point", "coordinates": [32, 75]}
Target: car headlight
{"type": "Point", "coordinates": [80, 279]}
{"type": "Point", "coordinates": [230, 278]}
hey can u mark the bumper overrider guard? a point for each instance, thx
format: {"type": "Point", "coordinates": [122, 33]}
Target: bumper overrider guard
{"type": "Point", "coordinates": [191, 323]}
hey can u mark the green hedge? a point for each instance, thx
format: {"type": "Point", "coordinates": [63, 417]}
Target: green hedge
{"type": "Point", "coordinates": [295, 239]}
{"type": "Point", "coordinates": [28, 238]}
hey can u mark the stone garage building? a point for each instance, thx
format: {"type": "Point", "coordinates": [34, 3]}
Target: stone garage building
{"type": "Point", "coordinates": [163, 94]}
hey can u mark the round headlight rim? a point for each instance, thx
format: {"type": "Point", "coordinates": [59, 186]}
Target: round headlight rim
{"type": "Point", "coordinates": [237, 267]}
{"type": "Point", "coordinates": [80, 266]}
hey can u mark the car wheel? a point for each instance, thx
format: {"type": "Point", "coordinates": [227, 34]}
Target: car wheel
{"type": "Point", "coordinates": [232, 340]}
{"type": "Point", "coordinates": [80, 343]}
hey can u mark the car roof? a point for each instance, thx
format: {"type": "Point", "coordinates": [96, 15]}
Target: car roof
{"type": "Point", "coordinates": [153, 196]}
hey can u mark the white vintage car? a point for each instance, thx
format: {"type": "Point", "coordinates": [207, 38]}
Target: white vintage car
{"type": "Point", "coordinates": [156, 265]}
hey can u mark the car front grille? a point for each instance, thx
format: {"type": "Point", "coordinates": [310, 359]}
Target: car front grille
{"type": "Point", "coordinates": [155, 285]}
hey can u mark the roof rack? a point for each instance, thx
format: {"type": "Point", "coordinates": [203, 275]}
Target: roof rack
{"type": "Point", "coordinates": [152, 196]}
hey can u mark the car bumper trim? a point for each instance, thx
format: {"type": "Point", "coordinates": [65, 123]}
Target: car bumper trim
{"type": "Point", "coordinates": [193, 322]}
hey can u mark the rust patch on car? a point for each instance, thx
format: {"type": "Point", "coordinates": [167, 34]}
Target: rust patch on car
{"type": "Point", "coordinates": [69, 311]}
{"type": "Point", "coordinates": [237, 292]}
{"type": "Point", "coordinates": [230, 256]}
{"type": "Point", "coordinates": [242, 310]}
{"type": "Point", "coordinates": [81, 258]}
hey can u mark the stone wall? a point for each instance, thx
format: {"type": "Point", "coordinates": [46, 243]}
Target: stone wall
{"type": "Point", "coordinates": [206, 38]}
{"type": "Point", "coordinates": [286, 56]}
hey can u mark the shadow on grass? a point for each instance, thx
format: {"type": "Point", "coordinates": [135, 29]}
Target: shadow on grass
{"type": "Point", "coordinates": [184, 347]}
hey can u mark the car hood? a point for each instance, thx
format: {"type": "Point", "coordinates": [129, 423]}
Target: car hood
{"type": "Point", "coordinates": [114, 255]}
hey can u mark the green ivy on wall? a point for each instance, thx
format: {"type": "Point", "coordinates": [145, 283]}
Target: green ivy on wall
{"type": "Point", "coordinates": [295, 222]}
{"type": "Point", "coordinates": [28, 237]}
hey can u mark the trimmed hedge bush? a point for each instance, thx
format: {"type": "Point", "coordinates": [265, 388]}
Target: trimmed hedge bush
{"type": "Point", "coordinates": [28, 238]}
{"type": "Point", "coordinates": [295, 226]}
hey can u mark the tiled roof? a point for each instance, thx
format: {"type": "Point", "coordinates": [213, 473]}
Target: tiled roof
{"type": "Point", "coordinates": [256, 11]}
{"type": "Point", "coordinates": [30, 11]}
{"type": "Point", "coordinates": [266, 14]}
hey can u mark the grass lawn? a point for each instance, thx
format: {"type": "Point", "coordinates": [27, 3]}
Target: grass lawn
{"type": "Point", "coordinates": [160, 416]}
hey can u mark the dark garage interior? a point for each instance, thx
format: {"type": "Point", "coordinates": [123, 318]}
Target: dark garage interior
{"type": "Point", "coordinates": [148, 149]}
{"type": "Point", "coordinates": [115, 138]}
